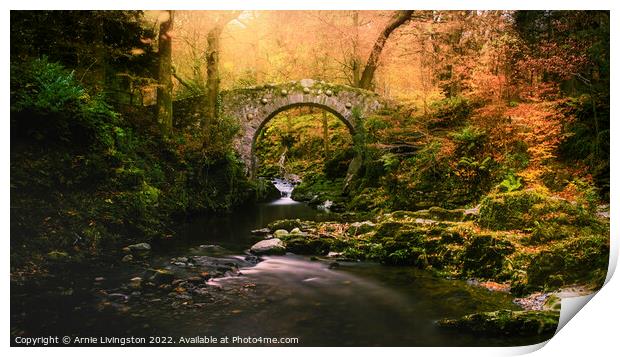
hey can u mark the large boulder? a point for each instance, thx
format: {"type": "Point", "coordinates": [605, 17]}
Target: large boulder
{"type": "Point", "coordinates": [269, 246]}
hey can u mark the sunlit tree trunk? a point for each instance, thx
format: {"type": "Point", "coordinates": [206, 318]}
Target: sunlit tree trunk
{"type": "Point", "coordinates": [164, 89]}
{"type": "Point", "coordinates": [213, 74]}
{"type": "Point", "coordinates": [213, 70]}
{"type": "Point", "coordinates": [355, 60]}
{"type": "Point", "coordinates": [399, 18]}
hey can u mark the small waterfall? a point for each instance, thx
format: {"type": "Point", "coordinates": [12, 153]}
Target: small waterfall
{"type": "Point", "coordinates": [284, 186]}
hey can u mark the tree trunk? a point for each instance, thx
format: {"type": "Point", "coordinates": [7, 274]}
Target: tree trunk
{"type": "Point", "coordinates": [399, 18]}
{"type": "Point", "coordinates": [213, 68]}
{"type": "Point", "coordinates": [213, 75]}
{"type": "Point", "coordinates": [164, 89]}
{"type": "Point", "coordinates": [355, 58]}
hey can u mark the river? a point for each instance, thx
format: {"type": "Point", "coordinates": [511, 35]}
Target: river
{"type": "Point", "coordinates": [290, 296]}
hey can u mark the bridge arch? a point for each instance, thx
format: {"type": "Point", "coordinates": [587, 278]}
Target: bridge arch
{"type": "Point", "coordinates": [340, 116]}
{"type": "Point", "coordinates": [255, 107]}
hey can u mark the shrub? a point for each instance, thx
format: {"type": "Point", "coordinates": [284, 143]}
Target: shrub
{"type": "Point", "coordinates": [470, 139]}
{"type": "Point", "coordinates": [510, 183]}
{"type": "Point", "coordinates": [451, 111]}
{"type": "Point", "coordinates": [48, 103]}
{"type": "Point", "coordinates": [337, 165]}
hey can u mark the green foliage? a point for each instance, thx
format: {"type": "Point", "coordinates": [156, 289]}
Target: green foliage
{"type": "Point", "coordinates": [317, 189]}
{"type": "Point", "coordinates": [299, 136]}
{"type": "Point", "coordinates": [48, 103]}
{"type": "Point", "coordinates": [337, 165]}
{"type": "Point", "coordinates": [43, 86]}
{"type": "Point", "coordinates": [88, 173]}
{"type": "Point", "coordinates": [472, 164]}
{"type": "Point", "coordinates": [109, 50]}
{"type": "Point", "coordinates": [390, 162]}
{"type": "Point", "coordinates": [374, 125]}
{"type": "Point", "coordinates": [450, 111]}
{"type": "Point", "coordinates": [470, 139]}
{"type": "Point", "coordinates": [588, 138]}
{"type": "Point", "coordinates": [218, 136]}
{"type": "Point", "coordinates": [360, 139]}
{"type": "Point", "coordinates": [518, 158]}
{"type": "Point", "coordinates": [510, 183]}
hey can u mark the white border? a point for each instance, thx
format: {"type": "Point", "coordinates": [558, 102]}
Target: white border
{"type": "Point", "coordinates": [594, 330]}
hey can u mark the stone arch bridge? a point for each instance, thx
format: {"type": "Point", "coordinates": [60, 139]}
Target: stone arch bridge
{"type": "Point", "coordinates": [253, 107]}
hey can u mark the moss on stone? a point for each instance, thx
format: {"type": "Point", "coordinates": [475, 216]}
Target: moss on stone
{"type": "Point", "coordinates": [506, 323]}
{"type": "Point", "coordinates": [286, 224]}
{"type": "Point", "coordinates": [484, 255]}
{"type": "Point", "coordinates": [359, 228]}
{"type": "Point", "coordinates": [578, 260]}
{"type": "Point", "coordinates": [444, 214]}
{"type": "Point", "coordinates": [300, 244]}
{"type": "Point", "coordinates": [508, 210]}
{"type": "Point", "coordinates": [388, 229]}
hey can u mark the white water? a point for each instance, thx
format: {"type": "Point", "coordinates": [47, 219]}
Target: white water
{"type": "Point", "coordinates": [285, 187]}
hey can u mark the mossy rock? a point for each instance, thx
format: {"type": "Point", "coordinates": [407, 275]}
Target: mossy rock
{"type": "Point", "coordinates": [529, 209]}
{"type": "Point", "coordinates": [359, 228]}
{"type": "Point", "coordinates": [447, 256]}
{"type": "Point", "coordinates": [508, 211]}
{"type": "Point", "coordinates": [274, 246]}
{"type": "Point", "coordinates": [279, 233]}
{"type": "Point", "coordinates": [299, 244]}
{"type": "Point", "coordinates": [553, 303]}
{"type": "Point", "coordinates": [549, 232]}
{"type": "Point", "coordinates": [407, 256]}
{"type": "Point", "coordinates": [415, 236]}
{"type": "Point", "coordinates": [388, 229]}
{"type": "Point", "coordinates": [449, 237]}
{"type": "Point", "coordinates": [582, 260]}
{"type": "Point", "coordinates": [399, 215]}
{"type": "Point", "coordinates": [543, 266]}
{"type": "Point", "coordinates": [443, 214]}
{"type": "Point", "coordinates": [58, 256]}
{"type": "Point", "coordinates": [265, 190]}
{"type": "Point", "coordinates": [485, 254]}
{"type": "Point", "coordinates": [286, 224]}
{"type": "Point", "coordinates": [506, 323]}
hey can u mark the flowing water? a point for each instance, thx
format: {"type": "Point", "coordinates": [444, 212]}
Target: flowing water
{"type": "Point", "coordinates": [291, 296]}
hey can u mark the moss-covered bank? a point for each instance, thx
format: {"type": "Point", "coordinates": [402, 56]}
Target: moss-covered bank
{"type": "Point", "coordinates": [561, 243]}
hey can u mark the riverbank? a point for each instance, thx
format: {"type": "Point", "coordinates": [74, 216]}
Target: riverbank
{"type": "Point", "coordinates": [524, 242]}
